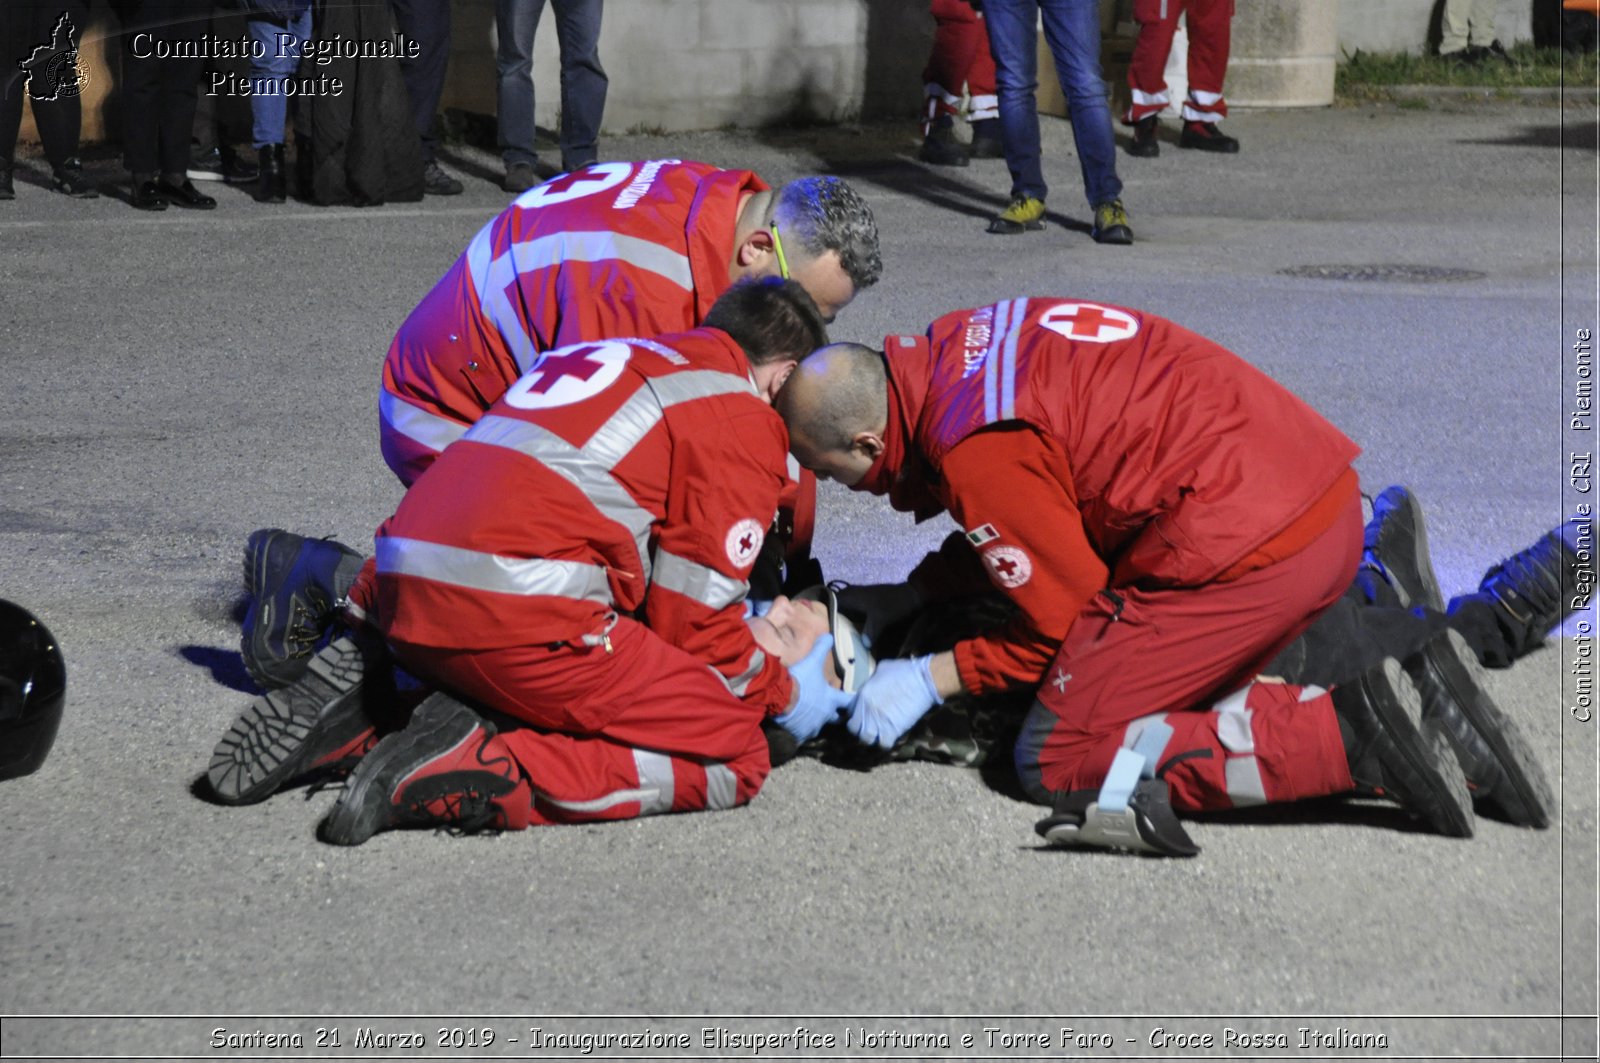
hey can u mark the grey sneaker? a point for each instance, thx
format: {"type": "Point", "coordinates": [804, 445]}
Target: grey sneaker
{"type": "Point", "coordinates": [435, 182]}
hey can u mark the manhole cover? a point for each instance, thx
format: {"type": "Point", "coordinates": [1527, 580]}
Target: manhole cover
{"type": "Point", "coordinates": [1412, 274]}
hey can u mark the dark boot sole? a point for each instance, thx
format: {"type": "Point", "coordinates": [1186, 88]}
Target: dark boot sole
{"type": "Point", "coordinates": [1426, 758]}
{"type": "Point", "coordinates": [367, 805]}
{"type": "Point", "coordinates": [1428, 593]}
{"type": "Point", "coordinates": [1524, 797]}
{"type": "Point", "coordinates": [287, 732]}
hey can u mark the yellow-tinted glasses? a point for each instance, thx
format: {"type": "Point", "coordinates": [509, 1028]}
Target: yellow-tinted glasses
{"type": "Point", "coordinates": [777, 246]}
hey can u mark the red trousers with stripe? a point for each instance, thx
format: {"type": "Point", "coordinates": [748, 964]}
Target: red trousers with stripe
{"type": "Point", "coordinates": [1189, 657]}
{"type": "Point", "coordinates": [636, 729]}
{"type": "Point", "coordinates": [1210, 24]}
{"type": "Point", "coordinates": [960, 60]}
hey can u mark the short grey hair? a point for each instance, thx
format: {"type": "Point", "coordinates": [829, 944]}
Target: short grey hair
{"type": "Point", "coordinates": [824, 214]}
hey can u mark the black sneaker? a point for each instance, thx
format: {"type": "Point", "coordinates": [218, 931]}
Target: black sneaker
{"type": "Point", "coordinates": [1535, 589]}
{"type": "Point", "coordinates": [221, 164]}
{"type": "Point", "coordinates": [1393, 752]}
{"type": "Point", "coordinates": [1147, 825]}
{"type": "Point", "coordinates": [1144, 144]}
{"type": "Point", "coordinates": [295, 586]}
{"type": "Point", "coordinates": [435, 182]}
{"type": "Point", "coordinates": [325, 720]}
{"type": "Point", "coordinates": [986, 142]}
{"type": "Point", "coordinates": [520, 176]}
{"type": "Point", "coordinates": [941, 148]}
{"type": "Point", "coordinates": [1503, 775]}
{"type": "Point", "coordinates": [1395, 547]}
{"type": "Point", "coordinates": [444, 769]}
{"type": "Point", "coordinates": [72, 181]}
{"type": "Point", "coordinates": [1205, 136]}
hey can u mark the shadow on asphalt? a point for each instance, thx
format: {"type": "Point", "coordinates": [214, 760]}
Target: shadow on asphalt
{"type": "Point", "coordinates": [1577, 136]}
{"type": "Point", "coordinates": [226, 667]}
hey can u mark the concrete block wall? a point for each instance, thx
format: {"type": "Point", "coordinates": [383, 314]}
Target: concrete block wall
{"type": "Point", "coordinates": [1413, 25]}
{"type": "Point", "coordinates": [702, 64]}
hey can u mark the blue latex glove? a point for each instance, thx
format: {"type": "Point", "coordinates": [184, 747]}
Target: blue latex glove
{"type": "Point", "coordinates": [899, 693]}
{"type": "Point", "coordinates": [819, 704]}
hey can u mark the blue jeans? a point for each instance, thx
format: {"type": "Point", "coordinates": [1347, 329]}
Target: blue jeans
{"type": "Point", "coordinates": [583, 80]}
{"type": "Point", "coordinates": [279, 43]}
{"type": "Point", "coordinates": [1072, 29]}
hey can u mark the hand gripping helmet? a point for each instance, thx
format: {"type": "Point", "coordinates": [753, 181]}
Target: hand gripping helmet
{"type": "Point", "coordinates": [33, 689]}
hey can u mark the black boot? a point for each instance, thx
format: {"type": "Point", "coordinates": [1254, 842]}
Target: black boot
{"type": "Point", "coordinates": [273, 184]}
{"type": "Point", "coordinates": [7, 189]}
{"type": "Point", "coordinates": [1394, 752]}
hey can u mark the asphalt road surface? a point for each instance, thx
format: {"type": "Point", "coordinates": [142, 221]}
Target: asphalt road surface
{"type": "Point", "coordinates": [171, 382]}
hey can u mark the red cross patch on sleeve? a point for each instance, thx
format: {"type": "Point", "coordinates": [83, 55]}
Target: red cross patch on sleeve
{"type": "Point", "coordinates": [1008, 566]}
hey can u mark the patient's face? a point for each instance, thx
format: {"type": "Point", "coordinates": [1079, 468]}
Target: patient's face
{"type": "Point", "coordinates": [790, 629]}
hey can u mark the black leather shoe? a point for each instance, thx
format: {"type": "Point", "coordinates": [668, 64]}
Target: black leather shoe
{"type": "Point", "coordinates": [1144, 144]}
{"type": "Point", "coordinates": [186, 195]}
{"type": "Point", "coordinates": [273, 184]}
{"type": "Point", "coordinates": [1205, 136]}
{"type": "Point", "coordinates": [70, 180]}
{"type": "Point", "coordinates": [147, 196]}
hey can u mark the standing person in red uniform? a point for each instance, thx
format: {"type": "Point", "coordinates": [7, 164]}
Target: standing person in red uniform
{"type": "Point", "coordinates": [959, 64]}
{"type": "Point", "coordinates": [577, 563]}
{"type": "Point", "coordinates": [617, 249]}
{"type": "Point", "coordinates": [1166, 518]}
{"type": "Point", "coordinates": [1210, 23]}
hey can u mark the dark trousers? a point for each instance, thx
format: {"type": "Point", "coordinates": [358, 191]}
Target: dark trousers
{"type": "Point", "coordinates": [159, 91]}
{"type": "Point", "coordinates": [25, 27]}
{"type": "Point", "coordinates": [427, 23]}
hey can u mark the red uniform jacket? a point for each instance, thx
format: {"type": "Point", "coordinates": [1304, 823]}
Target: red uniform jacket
{"type": "Point", "coordinates": [1084, 446]}
{"type": "Point", "coordinates": [615, 250]}
{"type": "Point", "coordinates": [632, 476]}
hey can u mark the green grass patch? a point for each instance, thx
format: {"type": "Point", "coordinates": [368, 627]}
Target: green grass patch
{"type": "Point", "coordinates": [1363, 74]}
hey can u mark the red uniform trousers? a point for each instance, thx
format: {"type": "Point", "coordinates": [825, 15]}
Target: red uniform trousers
{"type": "Point", "coordinates": [1189, 657]}
{"type": "Point", "coordinates": [633, 730]}
{"type": "Point", "coordinates": [1210, 24]}
{"type": "Point", "coordinates": [960, 60]}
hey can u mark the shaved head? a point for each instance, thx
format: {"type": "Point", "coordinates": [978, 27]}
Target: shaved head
{"type": "Point", "coordinates": [836, 404]}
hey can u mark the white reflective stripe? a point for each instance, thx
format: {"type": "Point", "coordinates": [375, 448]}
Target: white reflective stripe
{"type": "Point", "coordinates": [354, 615]}
{"type": "Point", "coordinates": [577, 467]}
{"type": "Point", "coordinates": [1311, 693]}
{"type": "Point", "coordinates": [937, 91]}
{"type": "Point", "coordinates": [490, 572]}
{"type": "Point", "coordinates": [1008, 363]}
{"type": "Point", "coordinates": [699, 384]}
{"type": "Point", "coordinates": [623, 430]}
{"type": "Point", "coordinates": [1243, 775]}
{"type": "Point", "coordinates": [480, 253]}
{"type": "Point", "coordinates": [705, 585]}
{"type": "Point", "coordinates": [722, 788]}
{"type": "Point", "coordinates": [793, 467]}
{"type": "Point", "coordinates": [1150, 99]}
{"type": "Point", "coordinates": [1194, 114]}
{"type": "Point", "coordinates": [1233, 722]}
{"type": "Point", "coordinates": [1204, 99]}
{"type": "Point", "coordinates": [983, 108]}
{"type": "Point", "coordinates": [529, 256]}
{"type": "Point", "coordinates": [655, 777]}
{"type": "Point", "coordinates": [654, 792]}
{"type": "Point", "coordinates": [991, 363]}
{"type": "Point", "coordinates": [418, 425]}
{"type": "Point", "coordinates": [1130, 737]}
{"type": "Point", "coordinates": [740, 683]}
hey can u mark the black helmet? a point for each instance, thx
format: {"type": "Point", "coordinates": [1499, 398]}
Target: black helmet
{"type": "Point", "coordinates": [33, 689]}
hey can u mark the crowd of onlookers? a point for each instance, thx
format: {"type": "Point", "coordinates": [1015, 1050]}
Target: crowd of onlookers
{"type": "Point", "coordinates": [342, 98]}
{"type": "Point", "coordinates": [358, 84]}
